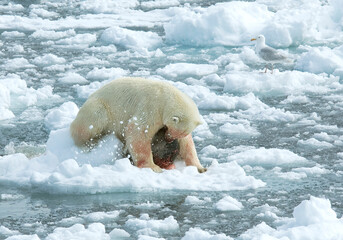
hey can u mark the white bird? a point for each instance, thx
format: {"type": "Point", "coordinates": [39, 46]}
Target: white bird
{"type": "Point", "coordinates": [267, 53]}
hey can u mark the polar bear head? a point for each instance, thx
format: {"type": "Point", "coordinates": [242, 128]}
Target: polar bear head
{"type": "Point", "coordinates": [181, 116]}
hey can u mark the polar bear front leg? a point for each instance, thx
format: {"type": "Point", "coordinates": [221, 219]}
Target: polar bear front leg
{"type": "Point", "coordinates": [139, 147]}
{"type": "Point", "coordinates": [188, 153]}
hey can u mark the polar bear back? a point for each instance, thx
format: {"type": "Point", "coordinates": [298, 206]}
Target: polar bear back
{"type": "Point", "coordinates": [143, 101]}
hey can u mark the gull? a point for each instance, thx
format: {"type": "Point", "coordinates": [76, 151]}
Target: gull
{"type": "Point", "coordinates": [267, 53]}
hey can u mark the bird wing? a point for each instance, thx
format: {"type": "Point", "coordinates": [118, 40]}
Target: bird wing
{"type": "Point", "coordinates": [270, 54]}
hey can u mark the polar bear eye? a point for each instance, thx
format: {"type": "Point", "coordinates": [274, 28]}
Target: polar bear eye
{"type": "Point", "coordinates": [176, 119]}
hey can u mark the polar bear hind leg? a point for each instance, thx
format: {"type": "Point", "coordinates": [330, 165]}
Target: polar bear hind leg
{"type": "Point", "coordinates": [90, 124]}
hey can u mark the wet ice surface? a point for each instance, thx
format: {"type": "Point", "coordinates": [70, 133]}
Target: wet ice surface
{"type": "Point", "coordinates": [272, 143]}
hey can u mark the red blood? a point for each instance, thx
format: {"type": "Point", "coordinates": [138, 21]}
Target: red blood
{"type": "Point", "coordinates": [164, 163]}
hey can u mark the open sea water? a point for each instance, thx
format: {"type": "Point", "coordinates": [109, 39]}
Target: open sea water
{"type": "Point", "coordinates": [298, 108]}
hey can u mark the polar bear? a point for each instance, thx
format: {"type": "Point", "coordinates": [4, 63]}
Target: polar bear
{"type": "Point", "coordinates": [135, 109]}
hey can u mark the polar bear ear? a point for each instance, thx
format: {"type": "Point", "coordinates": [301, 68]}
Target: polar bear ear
{"type": "Point", "coordinates": [176, 119]}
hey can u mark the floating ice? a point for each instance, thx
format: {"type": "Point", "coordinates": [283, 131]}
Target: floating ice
{"type": "Point", "coordinates": [78, 231]}
{"type": "Point", "coordinates": [119, 234]}
{"type": "Point", "coordinates": [16, 64]}
{"type": "Point", "coordinates": [103, 6]}
{"type": "Point", "coordinates": [12, 7]}
{"type": "Point", "coordinates": [240, 130]}
{"type": "Point", "coordinates": [5, 103]}
{"type": "Point", "coordinates": [279, 83]}
{"type": "Point", "coordinates": [193, 200]}
{"type": "Point", "coordinates": [78, 41]}
{"type": "Point", "coordinates": [315, 210]}
{"type": "Point", "coordinates": [106, 73]}
{"type": "Point", "coordinates": [101, 216]}
{"type": "Point", "coordinates": [103, 40]}
{"type": "Point", "coordinates": [197, 233]}
{"type": "Point", "coordinates": [322, 60]}
{"type": "Point", "coordinates": [14, 94]}
{"type": "Point", "coordinates": [159, 4]}
{"type": "Point", "coordinates": [47, 60]}
{"type": "Point", "coordinates": [235, 23]}
{"type": "Point", "coordinates": [131, 39]}
{"type": "Point", "coordinates": [40, 12]}
{"type": "Point", "coordinates": [13, 34]}
{"type": "Point", "coordinates": [313, 219]}
{"type": "Point", "coordinates": [144, 225]}
{"type": "Point", "coordinates": [73, 78]}
{"type": "Point", "coordinates": [62, 116]}
{"type": "Point", "coordinates": [268, 157]}
{"type": "Point", "coordinates": [313, 143]}
{"type": "Point", "coordinates": [66, 169]}
{"type": "Point", "coordinates": [24, 237]}
{"type": "Point", "coordinates": [52, 35]}
{"type": "Point", "coordinates": [10, 197]}
{"type": "Point", "coordinates": [228, 204]}
{"type": "Point", "coordinates": [187, 69]}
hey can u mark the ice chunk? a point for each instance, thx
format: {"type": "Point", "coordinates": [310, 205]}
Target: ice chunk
{"type": "Point", "coordinates": [47, 60]}
{"type": "Point", "coordinates": [321, 60]}
{"type": "Point", "coordinates": [73, 78]}
{"type": "Point", "coordinates": [268, 157]}
{"type": "Point", "coordinates": [168, 224]}
{"type": "Point", "coordinates": [235, 23]}
{"type": "Point", "coordinates": [62, 116]}
{"type": "Point", "coordinates": [78, 231]}
{"type": "Point", "coordinates": [315, 210]}
{"type": "Point", "coordinates": [197, 233]}
{"type": "Point", "coordinates": [119, 234]}
{"type": "Point", "coordinates": [228, 204]}
{"type": "Point", "coordinates": [279, 83]}
{"type": "Point", "coordinates": [136, 40]}
{"type": "Point", "coordinates": [187, 69]}
{"type": "Point", "coordinates": [313, 219]}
